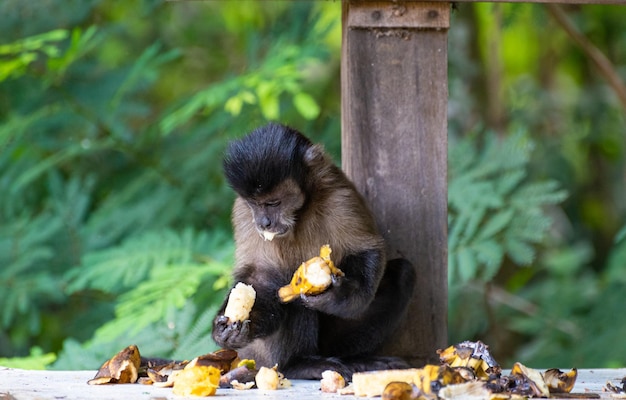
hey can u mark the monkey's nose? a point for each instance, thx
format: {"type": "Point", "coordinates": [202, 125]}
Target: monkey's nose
{"type": "Point", "coordinates": [265, 222]}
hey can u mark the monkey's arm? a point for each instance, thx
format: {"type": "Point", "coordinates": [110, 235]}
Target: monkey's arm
{"type": "Point", "coordinates": [349, 296]}
{"type": "Point", "coordinates": [265, 317]}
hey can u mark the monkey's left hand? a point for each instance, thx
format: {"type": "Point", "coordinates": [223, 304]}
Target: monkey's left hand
{"type": "Point", "coordinates": [327, 300]}
{"type": "Point", "coordinates": [231, 335]}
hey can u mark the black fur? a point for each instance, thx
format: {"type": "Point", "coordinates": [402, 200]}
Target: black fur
{"type": "Point", "coordinates": [342, 328]}
{"type": "Point", "coordinates": [255, 164]}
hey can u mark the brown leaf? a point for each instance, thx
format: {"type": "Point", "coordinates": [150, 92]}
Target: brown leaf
{"type": "Point", "coordinates": [122, 368]}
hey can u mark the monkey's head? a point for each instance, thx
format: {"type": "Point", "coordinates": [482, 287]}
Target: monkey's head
{"type": "Point", "coordinates": [270, 169]}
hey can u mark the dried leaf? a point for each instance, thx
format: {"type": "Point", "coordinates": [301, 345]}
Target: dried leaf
{"type": "Point", "coordinates": [122, 368]}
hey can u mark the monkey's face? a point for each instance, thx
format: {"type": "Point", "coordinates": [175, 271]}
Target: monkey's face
{"type": "Point", "coordinates": [275, 212]}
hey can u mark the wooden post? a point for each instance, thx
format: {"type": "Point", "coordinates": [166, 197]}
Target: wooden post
{"type": "Point", "coordinates": [394, 147]}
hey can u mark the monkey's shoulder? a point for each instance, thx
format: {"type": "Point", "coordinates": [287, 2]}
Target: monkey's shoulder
{"type": "Point", "coordinates": [343, 212]}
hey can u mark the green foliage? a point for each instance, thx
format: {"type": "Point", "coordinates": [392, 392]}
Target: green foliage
{"type": "Point", "coordinates": [184, 334]}
{"type": "Point", "coordinates": [494, 210]}
{"type": "Point", "coordinates": [615, 265]}
{"type": "Point", "coordinates": [558, 310]}
{"type": "Point", "coordinates": [115, 217]}
{"type": "Point", "coordinates": [116, 269]}
{"type": "Point", "coordinates": [149, 274]}
{"type": "Point", "coordinates": [36, 360]}
{"type": "Point", "coordinates": [281, 72]}
{"type": "Point", "coordinates": [19, 55]}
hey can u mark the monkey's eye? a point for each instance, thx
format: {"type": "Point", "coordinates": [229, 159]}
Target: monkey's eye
{"type": "Point", "coordinates": [274, 203]}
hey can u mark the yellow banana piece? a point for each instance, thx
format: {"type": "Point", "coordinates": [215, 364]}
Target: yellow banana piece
{"type": "Point", "coordinates": [472, 355]}
{"type": "Point", "coordinates": [425, 376]}
{"type": "Point", "coordinates": [559, 381]}
{"type": "Point", "coordinates": [312, 277]}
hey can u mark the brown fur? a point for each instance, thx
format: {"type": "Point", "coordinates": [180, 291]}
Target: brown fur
{"type": "Point", "coordinates": [337, 215]}
{"type": "Point", "coordinates": [307, 201]}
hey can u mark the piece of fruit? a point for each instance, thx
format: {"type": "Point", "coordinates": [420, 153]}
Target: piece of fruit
{"type": "Point", "coordinates": [559, 381]}
{"type": "Point", "coordinates": [531, 381]}
{"type": "Point", "coordinates": [473, 355]}
{"type": "Point", "coordinates": [312, 277]}
{"type": "Point", "coordinates": [267, 235]}
{"type": "Point", "coordinates": [197, 380]}
{"type": "Point", "coordinates": [240, 302]}
{"type": "Point", "coordinates": [332, 381]}
{"type": "Point", "coordinates": [267, 379]}
{"type": "Point", "coordinates": [243, 374]}
{"type": "Point", "coordinates": [122, 368]}
{"type": "Point", "coordinates": [373, 383]}
{"type": "Point", "coordinates": [399, 391]}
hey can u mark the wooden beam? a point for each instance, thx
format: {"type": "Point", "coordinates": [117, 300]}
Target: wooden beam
{"type": "Point", "coordinates": [622, 2]}
{"type": "Point", "coordinates": [394, 147]}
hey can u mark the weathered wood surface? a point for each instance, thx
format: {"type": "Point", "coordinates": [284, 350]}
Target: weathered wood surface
{"type": "Point", "coordinates": [385, 14]}
{"type": "Point", "coordinates": [72, 385]}
{"type": "Point", "coordinates": [394, 147]}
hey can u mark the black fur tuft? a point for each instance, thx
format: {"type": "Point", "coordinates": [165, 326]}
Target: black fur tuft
{"type": "Point", "coordinates": [255, 164]}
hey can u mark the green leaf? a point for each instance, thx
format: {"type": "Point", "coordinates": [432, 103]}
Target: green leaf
{"type": "Point", "coordinates": [196, 339]}
{"type": "Point", "coordinates": [206, 100]}
{"type": "Point", "coordinates": [268, 100]}
{"type": "Point", "coordinates": [34, 42]}
{"type": "Point", "coordinates": [490, 255]}
{"type": "Point", "coordinates": [467, 266]}
{"type": "Point", "coordinates": [494, 207]}
{"type": "Point", "coordinates": [306, 105]}
{"type": "Point", "coordinates": [521, 253]}
{"type": "Point", "coordinates": [152, 299]}
{"type": "Point", "coordinates": [621, 235]}
{"type": "Point", "coordinates": [234, 105]}
{"type": "Point", "coordinates": [116, 269]}
{"type": "Point", "coordinates": [37, 360]}
{"type": "Point", "coordinates": [496, 223]}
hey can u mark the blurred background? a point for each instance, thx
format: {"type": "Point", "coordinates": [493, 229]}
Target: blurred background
{"type": "Point", "coordinates": [114, 215]}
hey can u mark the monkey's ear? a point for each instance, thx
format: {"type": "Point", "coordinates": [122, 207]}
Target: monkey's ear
{"type": "Point", "coordinates": [314, 155]}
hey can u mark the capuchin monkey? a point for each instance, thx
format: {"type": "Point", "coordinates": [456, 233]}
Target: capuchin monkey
{"type": "Point", "coordinates": [292, 199]}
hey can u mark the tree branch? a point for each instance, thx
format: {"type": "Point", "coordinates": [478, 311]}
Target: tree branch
{"type": "Point", "coordinates": [598, 58]}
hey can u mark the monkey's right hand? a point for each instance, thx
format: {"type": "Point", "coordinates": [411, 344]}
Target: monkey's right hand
{"type": "Point", "coordinates": [312, 277]}
{"type": "Point", "coordinates": [231, 335]}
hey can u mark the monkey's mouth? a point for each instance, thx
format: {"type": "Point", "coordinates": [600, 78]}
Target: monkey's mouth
{"type": "Point", "coordinates": [268, 235]}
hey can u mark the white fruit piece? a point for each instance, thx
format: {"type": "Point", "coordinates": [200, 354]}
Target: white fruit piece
{"type": "Point", "coordinates": [240, 302]}
{"type": "Point", "coordinates": [267, 235]}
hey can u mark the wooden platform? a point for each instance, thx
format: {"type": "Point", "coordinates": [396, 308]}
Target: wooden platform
{"type": "Point", "coordinates": [70, 385]}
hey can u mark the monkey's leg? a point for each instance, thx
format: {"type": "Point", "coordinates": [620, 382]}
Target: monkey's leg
{"type": "Point", "coordinates": [311, 367]}
{"type": "Point", "coordinates": [365, 335]}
